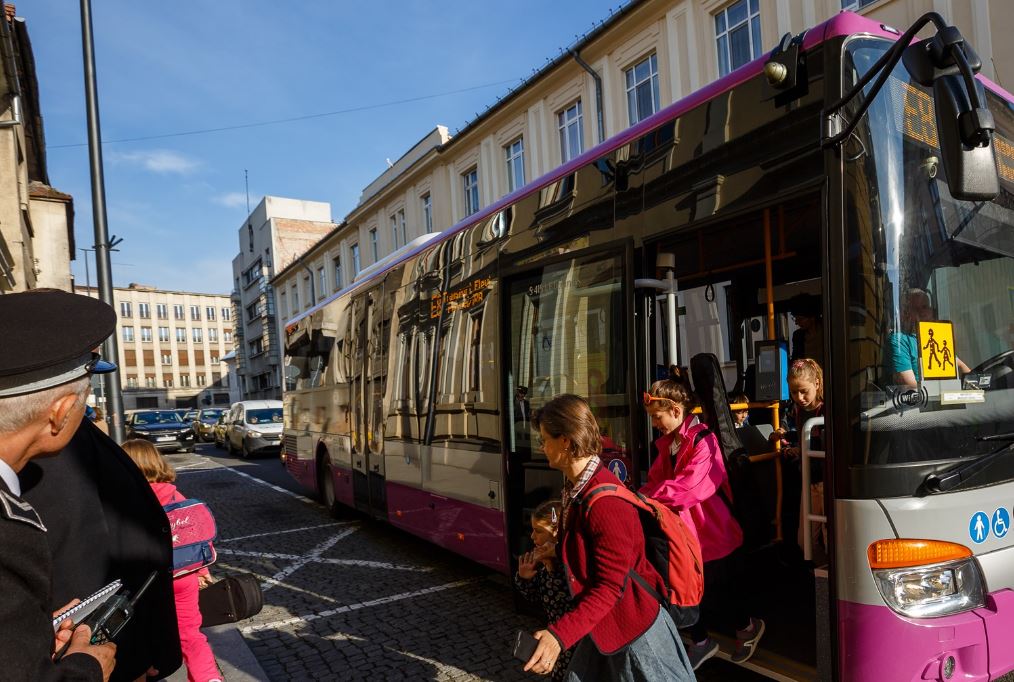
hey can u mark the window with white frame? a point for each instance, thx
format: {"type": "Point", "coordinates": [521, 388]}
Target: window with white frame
{"type": "Point", "coordinates": [215, 359]}
{"type": "Point", "coordinates": [181, 335]}
{"type": "Point", "coordinates": [167, 358]}
{"type": "Point", "coordinates": [178, 312]}
{"type": "Point", "coordinates": [227, 336]}
{"type": "Point", "coordinates": [162, 310]}
{"type": "Point", "coordinates": [337, 262]}
{"type": "Point", "coordinates": [308, 290]}
{"type": "Point", "coordinates": [184, 380]}
{"type": "Point", "coordinates": [642, 89]}
{"type": "Point", "coordinates": [295, 298]}
{"type": "Point", "coordinates": [195, 312]}
{"type": "Point", "coordinates": [282, 298]}
{"type": "Point", "coordinates": [198, 335]}
{"type": "Point", "coordinates": [131, 382]}
{"type": "Point", "coordinates": [167, 382]}
{"type": "Point", "coordinates": [149, 381]}
{"type": "Point", "coordinates": [128, 333]}
{"type": "Point", "coordinates": [146, 334]}
{"type": "Point", "coordinates": [571, 124]}
{"type": "Point", "coordinates": [374, 247]}
{"type": "Point", "coordinates": [321, 282]}
{"type": "Point", "coordinates": [209, 311]}
{"type": "Point", "coordinates": [212, 334]}
{"type": "Point", "coordinates": [737, 32]}
{"type": "Point", "coordinates": [163, 334]}
{"type": "Point", "coordinates": [427, 211]}
{"type": "Point", "coordinates": [226, 314]}
{"type": "Point", "coordinates": [399, 233]}
{"type": "Point", "coordinates": [470, 183]}
{"type": "Point", "coordinates": [201, 380]}
{"type": "Point", "coordinates": [144, 311]}
{"type": "Point", "coordinates": [356, 263]}
{"type": "Point", "coordinates": [515, 154]}
{"type": "Point", "coordinates": [124, 309]}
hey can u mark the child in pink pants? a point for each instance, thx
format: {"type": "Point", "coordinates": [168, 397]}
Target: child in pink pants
{"type": "Point", "coordinates": [197, 654]}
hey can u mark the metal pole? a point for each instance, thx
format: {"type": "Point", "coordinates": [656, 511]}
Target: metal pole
{"type": "Point", "coordinates": [114, 393]}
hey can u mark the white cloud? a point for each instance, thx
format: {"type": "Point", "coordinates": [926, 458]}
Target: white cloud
{"type": "Point", "coordinates": [231, 200]}
{"type": "Point", "coordinates": [161, 161]}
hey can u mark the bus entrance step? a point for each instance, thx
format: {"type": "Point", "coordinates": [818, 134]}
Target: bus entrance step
{"type": "Point", "coordinates": [767, 663]}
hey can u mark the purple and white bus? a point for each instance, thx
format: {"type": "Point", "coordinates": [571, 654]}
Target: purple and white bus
{"type": "Point", "coordinates": [825, 168]}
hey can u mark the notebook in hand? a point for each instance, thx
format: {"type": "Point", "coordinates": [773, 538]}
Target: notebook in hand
{"type": "Point", "coordinates": [80, 611]}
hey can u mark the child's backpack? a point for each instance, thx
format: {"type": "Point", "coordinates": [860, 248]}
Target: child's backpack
{"type": "Point", "coordinates": [671, 547]}
{"type": "Point", "coordinates": [193, 530]}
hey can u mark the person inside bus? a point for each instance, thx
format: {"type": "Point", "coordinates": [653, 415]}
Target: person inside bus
{"type": "Point", "coordinates": [689, 475]}
{"type": "Point", "coordinates": [806, 389]}
{"type": "Point", "coordinates": [902, 355]}
{"type": "Point", "coordinates": [618, 628]}
{"type": "Point", "coordinates": [540, 578]}
{"type": "Point", "coordinates": [749, 435]}
{"type": "Point", "coordinates": [808, 339]}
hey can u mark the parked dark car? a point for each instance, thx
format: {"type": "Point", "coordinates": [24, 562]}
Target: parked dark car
{"type": "Point", "coordinates": [163, 428]}
{"type": "Point", "coordinates": [204, 424]}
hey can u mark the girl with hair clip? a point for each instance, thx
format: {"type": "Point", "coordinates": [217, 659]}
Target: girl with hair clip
{"type": "Point", "coordinates": [540, 578]}
{"type": "Point", "coordinates": [689, 476]}
{"type": "Point", "coordinates": [197, 654]}
{"type": "Point", "coordinates": [806, 389]}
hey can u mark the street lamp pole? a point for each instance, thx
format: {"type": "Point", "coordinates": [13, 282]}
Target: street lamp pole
{"type": "Point", "coordinates": [114, 392]}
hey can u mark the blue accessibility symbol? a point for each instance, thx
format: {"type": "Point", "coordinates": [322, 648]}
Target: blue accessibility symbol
{"type": "Point", "coordinates": [978, 527]}
{"type": "Point", "coordinates": [618, 468]}
{"type": "Point", "coordinates": [1001, 522]}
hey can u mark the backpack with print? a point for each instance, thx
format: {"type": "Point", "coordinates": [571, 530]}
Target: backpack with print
{"type": "Point", "coordinates": [671, 548]}
{"type": "Point", "coordinates": [193, 531]}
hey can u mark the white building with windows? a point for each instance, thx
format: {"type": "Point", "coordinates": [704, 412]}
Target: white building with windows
{"type": "Point", "coordinates": [171, 346]}
{"type": "Point", "coordinates": [276, 234]}
{"type": "Point", "coordinates": [641, 58]}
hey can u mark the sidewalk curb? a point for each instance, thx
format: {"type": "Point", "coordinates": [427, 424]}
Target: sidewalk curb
{"type": "Point", "coordinates": [235, 659]}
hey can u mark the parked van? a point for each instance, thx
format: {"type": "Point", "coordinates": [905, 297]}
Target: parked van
{"type": "Point", "coordinates": [254, 427]}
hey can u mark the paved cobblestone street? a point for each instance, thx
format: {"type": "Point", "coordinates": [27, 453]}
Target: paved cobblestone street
{"type": "Point", "coordinates": [351, 598]}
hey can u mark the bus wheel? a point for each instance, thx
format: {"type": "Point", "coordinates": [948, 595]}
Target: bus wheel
{"type": "Point", "coordinates": [325, 484]}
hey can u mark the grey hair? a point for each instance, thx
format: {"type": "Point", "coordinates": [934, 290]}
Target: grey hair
{"type": "Point", "coordinates": [18, 411]}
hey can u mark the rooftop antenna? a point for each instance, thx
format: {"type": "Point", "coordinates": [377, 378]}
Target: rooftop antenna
{"type": "Point", "coordinates": [246, 180]}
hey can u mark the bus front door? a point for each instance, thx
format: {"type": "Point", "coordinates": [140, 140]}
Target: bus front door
{"type": "Point", "coordinates": [371, 321]}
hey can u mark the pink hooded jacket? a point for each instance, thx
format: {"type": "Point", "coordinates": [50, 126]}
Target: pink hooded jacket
{"type": "Point", "coordinates": [687, 479]}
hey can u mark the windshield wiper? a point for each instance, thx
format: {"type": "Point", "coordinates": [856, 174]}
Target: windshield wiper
{"type": "Point", "coordinates": [950, 479]}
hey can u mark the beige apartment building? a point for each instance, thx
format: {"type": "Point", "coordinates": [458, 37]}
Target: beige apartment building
{"type": "Point", "coordinates": [640, 59]}
{"type": "Point", "coordinates": [172, 345]}
{"type": "Point", "coordinates": [36, 221]}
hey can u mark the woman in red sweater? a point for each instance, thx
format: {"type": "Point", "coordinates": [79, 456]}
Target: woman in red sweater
{"type": "Point", "coordinates": [620, 631]}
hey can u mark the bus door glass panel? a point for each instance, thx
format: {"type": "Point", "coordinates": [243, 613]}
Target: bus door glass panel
{"type": "Point", "coordinates": [567, 335]}
{"type": "Point", "coordinates": [378, 311]}
{"type": "Point", "coordinates": [358, 322]}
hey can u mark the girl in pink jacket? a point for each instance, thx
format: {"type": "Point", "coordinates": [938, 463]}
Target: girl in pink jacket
{"type": "Point", "coordinates": [197, 654]}
{"type": "Point", "coordinates": [689, 477]}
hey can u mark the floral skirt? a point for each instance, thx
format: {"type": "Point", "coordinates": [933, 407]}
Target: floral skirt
{"type": "Point", "coordinates": [658, 654]}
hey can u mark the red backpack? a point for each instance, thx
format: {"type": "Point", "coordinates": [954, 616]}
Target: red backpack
{"type": "Point", "coordinates": [670, 546]}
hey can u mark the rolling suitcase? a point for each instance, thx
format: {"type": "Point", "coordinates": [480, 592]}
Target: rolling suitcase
{"type": "Point", "coordinates": [230, 600]}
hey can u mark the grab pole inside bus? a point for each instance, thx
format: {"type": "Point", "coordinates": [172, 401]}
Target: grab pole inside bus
{"type": "Point", "coordinates": [769, 290]}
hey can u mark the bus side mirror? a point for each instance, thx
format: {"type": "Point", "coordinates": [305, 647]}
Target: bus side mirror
{"type": "Point", "coordinates": [964, 125]}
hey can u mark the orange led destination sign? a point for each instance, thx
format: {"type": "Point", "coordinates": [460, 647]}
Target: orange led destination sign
{"type": "Point", "coordinates": [462, 298]}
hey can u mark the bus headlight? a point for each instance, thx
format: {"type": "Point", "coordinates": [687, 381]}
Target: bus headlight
{"type": "Point", "coordinates": [926, 578]}
{"type": "Point", "coordinates": [932, 591]}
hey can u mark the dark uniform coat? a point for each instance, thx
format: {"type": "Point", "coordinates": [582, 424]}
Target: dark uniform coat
{"type": "Point", "coordinates": [26, 616]}
{"type": "Point", "coordinates": [105, 523]}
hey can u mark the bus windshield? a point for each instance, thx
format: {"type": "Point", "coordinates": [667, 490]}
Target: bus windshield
{"type": "Point", "coordinates": [930, 294]}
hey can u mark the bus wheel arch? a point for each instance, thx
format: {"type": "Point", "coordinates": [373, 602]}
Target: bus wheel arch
{"type": "Point", "coordinates": [325, 480]}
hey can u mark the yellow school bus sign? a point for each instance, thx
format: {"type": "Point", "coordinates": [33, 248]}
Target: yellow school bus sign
{"type": "Point", "coordinates": [936, 350]}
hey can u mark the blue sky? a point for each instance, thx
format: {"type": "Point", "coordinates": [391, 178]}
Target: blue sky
{"type": "Point", "coordinates": [166, 68]}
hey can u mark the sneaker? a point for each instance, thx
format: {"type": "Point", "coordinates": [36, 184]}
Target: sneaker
{"type": "Point", "coordinates": [698, 653]}
{"type": "Point", "coordinates": [746, 641]}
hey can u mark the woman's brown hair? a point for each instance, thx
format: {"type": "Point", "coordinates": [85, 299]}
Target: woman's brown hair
{"type": "Point", "coordinates": [569, 415]}
{"type": "Point", "coordinates": [147, 458]}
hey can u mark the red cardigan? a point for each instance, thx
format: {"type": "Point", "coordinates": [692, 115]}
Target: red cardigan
{"type": "Point", "coordinates": [598, 550]}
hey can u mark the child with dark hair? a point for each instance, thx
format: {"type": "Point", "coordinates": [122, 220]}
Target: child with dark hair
{"type": "Point", "coordinates": [540, 577]}
{"type": "Point", "coordinates": [689, 476]}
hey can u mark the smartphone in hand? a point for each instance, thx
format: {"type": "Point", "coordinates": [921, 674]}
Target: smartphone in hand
{"type": "Point", "coordinates": [524, 645]}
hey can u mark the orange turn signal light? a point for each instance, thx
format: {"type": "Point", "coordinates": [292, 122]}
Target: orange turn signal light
{"type": "Point", "coordinates": [902, 553]}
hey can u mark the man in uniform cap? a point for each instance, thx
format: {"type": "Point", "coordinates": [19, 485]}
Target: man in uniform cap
{"type": "Point", "coordinates": [105, 523]}
{"type": "Point", "coordinates": [46, 359]}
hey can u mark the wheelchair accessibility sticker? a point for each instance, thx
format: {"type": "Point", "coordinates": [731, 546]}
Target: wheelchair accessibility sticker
{"type": "Point", "coordinates": [1001, 522]}
{"type": "Point", "coordinates": [978, 526]}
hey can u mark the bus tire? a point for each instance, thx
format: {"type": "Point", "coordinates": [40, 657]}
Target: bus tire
{"type": "Point", "coordinates": [325, 485]}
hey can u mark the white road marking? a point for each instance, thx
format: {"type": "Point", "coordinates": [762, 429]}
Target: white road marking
{"type": "Point", "coordinates": [355, 607]}
{"type": "Point", "coordinates": [256, 480]}
{"type": "Point", "coordinates": [259, 555]}
{"type": "Point", "coordinates": [290, 530]}
{"type": "Point", "coordinates": [262, 577]}
{"type": "Point", "coordinates": [303, 560]}
{"type": "Point", "coordinates": [375, 564]}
